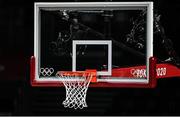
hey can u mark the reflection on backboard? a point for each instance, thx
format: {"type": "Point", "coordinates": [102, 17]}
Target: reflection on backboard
{"type": "Point", "coordinates": [116, 39]}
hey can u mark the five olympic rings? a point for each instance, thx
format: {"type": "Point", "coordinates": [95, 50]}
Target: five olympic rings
{"type": "Point", "coordinates": [46, 71]}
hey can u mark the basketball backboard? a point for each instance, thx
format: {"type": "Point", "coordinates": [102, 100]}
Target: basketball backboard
{"type": "Point", "coordinates": [114, 38]}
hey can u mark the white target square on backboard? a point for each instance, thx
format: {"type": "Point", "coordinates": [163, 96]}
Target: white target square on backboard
{"type": "Point", "coordinates": [98, 43]}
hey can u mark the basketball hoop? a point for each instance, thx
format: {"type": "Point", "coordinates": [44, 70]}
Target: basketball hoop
{"type": "Point", "coordinates": [76, 84]}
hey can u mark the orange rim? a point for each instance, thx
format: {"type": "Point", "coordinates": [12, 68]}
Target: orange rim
{"type": "Point", "coordinates": [79, 73]}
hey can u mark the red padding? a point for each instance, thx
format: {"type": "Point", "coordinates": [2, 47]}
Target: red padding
{"type": "Point", "coordinates": [32, 69]}
{"type": "Point", "coordinates": [162, 71]}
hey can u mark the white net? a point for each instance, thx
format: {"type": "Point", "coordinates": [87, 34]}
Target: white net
{"type": "Point", "coordinates": [76, 85]}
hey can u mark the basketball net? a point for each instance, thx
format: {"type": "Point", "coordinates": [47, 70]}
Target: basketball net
{"type": "Point", "coordinates": [76, 85]}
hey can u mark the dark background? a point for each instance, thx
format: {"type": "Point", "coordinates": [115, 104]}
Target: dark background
{"type": "Point", "coordinates": [17, 97]}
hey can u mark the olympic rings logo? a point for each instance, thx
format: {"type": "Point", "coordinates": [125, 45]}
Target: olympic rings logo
{"type": "Point", "coordinates": [46, 71]}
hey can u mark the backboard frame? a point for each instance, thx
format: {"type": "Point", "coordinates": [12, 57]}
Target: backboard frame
{"type": "Point", "coordinates": [150, 62]}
